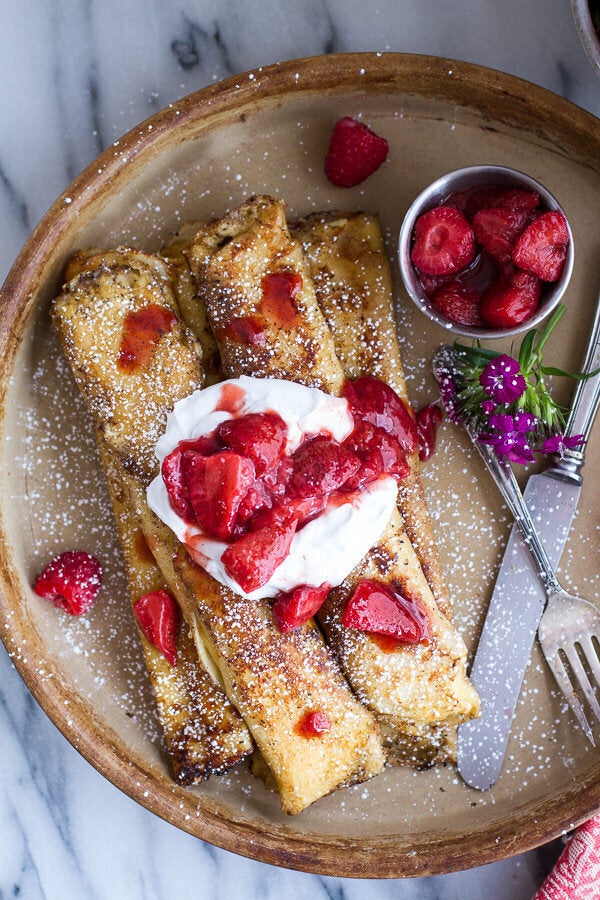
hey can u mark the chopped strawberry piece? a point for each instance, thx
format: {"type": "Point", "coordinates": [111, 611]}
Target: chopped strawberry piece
{"type": "Point", "coordinates": [354, 153]}
{"type": "Point", "coordinates": [510, 300]}
{"type": "Point", "coordinates": [256, 500]}
{"type": "Point", "coordinates": [253, 558]}
{"type": "Point", "coordinates": [542, 248]}
{"type": "Point", "coordinates": [71, 581]}
{"type": "Point", "coordinates": [458, 302]}
{"type": "Point", "coordinates": [313, 724]}
{"type": "Point", "coordinates": [320, 467]}
{"type": "Point", "coordinates": [377, 608]}
{"type": "Point", "coordinates": [374, 401]}
{"type": "Point", "coordinates": [497, 229]}
{"type": "Point", "coordinates": [299, 508]}
{"type": "Point", "coordinates": [217, 485]}
{"type": "Point", "coordinates": [172, 471]}
{"type": "Point", "coordinates": [296, 607]}
{"type": "Point", "coordinates": [497, 198]}
{"type": "Point", "coordinates": [428, 422]}
{"type": "Point", "coordinates": [443, 242]}
{"type": "Point", "coordinates": [158, 616]}
{"type": "Point", "coordinates": [259, 436]}
{"type": "Point", "coordinates": [378, 452]}
{"type": "Point", "coordinates": [176, 485]}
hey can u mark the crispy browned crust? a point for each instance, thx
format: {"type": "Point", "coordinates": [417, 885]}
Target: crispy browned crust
{"type": "Point", "coordinates": [353, 284]}
{"type": "Point", "coordinates": [191, 306]}
{"type": "Point", "coordinates": [204, 733]}
{"type": "Point", "coordinates": [229, 258]}
{"type": "Point", "coordinates": [415, 690]}
{"type": "Point", "coordinates": [272, 679]}
{"type": "Point", "coordinates": [89, 316]}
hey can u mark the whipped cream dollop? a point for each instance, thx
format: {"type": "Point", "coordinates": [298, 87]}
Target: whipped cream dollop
{"type": "Point", "coordinates": [327, 548]}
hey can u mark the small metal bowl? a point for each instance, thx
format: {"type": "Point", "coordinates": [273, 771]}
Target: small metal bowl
{"type": "Point", "coordinates": [588, 35]}
{"type": "Point", "coordinates": [470, 178]}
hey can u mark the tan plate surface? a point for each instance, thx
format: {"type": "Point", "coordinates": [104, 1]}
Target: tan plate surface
{"type": "Point", "coordinates": [268, 131]}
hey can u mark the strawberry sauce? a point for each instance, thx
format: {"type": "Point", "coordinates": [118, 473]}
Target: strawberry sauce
{"type": "Point", "coordinates": [278, 292]}
{"type": "Point", "coordinates": [245, 330]}
{"type": "Point", "coordinates": [313, 724]}
{"type": "Point", "coordinates": [142, 330]}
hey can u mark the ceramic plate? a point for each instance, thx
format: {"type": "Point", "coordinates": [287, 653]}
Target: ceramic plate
{"type": "Point", "coordinates": [267, 131]}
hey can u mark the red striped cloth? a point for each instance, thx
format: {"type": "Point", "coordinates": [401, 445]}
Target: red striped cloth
{"type": "Point", "coordinates": [576, 875]}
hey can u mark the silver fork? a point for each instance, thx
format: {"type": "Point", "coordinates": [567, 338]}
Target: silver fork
{"type": "Point", "coordinates": [568, 622]}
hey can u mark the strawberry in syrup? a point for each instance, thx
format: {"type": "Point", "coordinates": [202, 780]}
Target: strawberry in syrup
{"type": "Point", "coordinates": [378, 452]}
{"type": "Point", "coordinates": [443, 242]}
{"type": "Point", "coordinates": [458, 302]}
{"type": "Point", "coordinates": [296, 607]}
{"type": "Point", "coordinates": [497, 229]}
{"type": "Point", "coordinates": [259, 436]}
{"type": "Point", "coordinates": [157, 614]}
{"type": "Point", "coordinates": [374, 401]}
{"type": "Point", "coordinates": [321, 466]}
{"type": "Point", "coordinates": [510, 300]}
{"type": "Point", "coordinates": [498, 198]}
{"type": "Point", "coordinates": [252, 558]}
{"type": "Point", "coordinates": [377, 608]}
{"type": "Point", "coordinates": [542, 248]}
{"type": "Point", "coordinates": [217, 485]}
{"type": "Point", "coordinates": [428, 421]}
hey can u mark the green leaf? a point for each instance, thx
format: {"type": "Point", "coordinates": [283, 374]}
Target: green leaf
{"type": "Point", "coordinates": [526, 352]}
{"type": "Point", "coordinates": [578, 376]}
{"type": "Point", "coordinates": [549, 328]}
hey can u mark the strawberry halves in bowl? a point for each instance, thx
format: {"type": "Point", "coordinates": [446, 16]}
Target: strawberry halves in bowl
{"type": "Point", "coordinates": [486, 252]}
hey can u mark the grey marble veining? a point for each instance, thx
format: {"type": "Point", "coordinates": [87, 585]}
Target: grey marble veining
{"type": "Point", "coordinates": [74, 76]}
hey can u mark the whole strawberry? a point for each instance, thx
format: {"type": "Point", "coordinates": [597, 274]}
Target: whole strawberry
{"type": "Point", "coordinates": [71, 581]}
{"type": "Point", "coordinates": [354, 153]}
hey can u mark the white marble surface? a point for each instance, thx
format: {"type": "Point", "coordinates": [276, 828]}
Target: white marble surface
{"type": "Point", "coordinates": [74, 76]}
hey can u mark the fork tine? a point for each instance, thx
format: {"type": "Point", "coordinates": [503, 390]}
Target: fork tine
{"type": "Point", "coordinates": [581, 677]}
{"type": "Point", "coordinates": [564, 682]}
{"type": "Point", "coordinates": [591, 656]}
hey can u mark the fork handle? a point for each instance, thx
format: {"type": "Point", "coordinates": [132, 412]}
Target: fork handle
{"type": "Point", "coordinates": [584, 407]}
{"type": "Point", "coordinates": [502, 473]}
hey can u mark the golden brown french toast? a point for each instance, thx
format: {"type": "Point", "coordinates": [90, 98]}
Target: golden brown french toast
{"type": "Point", "coordinates": [353, 284]}
{"type": "Point", "coordinates": [229, 259]}
{"type": "Point", "coordinates": [90, 316]}
{"type": "Point", "coordinates": [416, 690]}
{"type": "Point", "coordinates": [274, 680]}
{"type": "Point", "coordinates": [204, 733]}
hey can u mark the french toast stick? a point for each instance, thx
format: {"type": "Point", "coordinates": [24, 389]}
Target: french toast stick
{"type": "Point", "coordinates": [353, 283]}
{"type": "Point", "coordinates": [204, 733]}
{"type": "Point", "coordinates": [273, 680]}
{"type": "Point", "coordinates": [416, 690]}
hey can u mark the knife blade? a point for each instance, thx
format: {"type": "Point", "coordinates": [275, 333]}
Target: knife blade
{"type": "Point", "coordinates": [510, 627]}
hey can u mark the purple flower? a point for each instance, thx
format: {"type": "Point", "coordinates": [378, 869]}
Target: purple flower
{"type": "Point", "coordinates": [558, 443]}
{"type": "Point", "coordinates": [509, 436]}
{"type": "Point", "coordinates": [501, 379]}
{"type": "Point", "coordinates": [488, 406]}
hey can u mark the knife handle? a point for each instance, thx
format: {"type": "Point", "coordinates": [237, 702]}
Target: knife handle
{"type": "Point", "coordinates": [586, 398]}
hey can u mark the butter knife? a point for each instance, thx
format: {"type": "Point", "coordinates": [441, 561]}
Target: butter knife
{"type": "Point", "coordinates": [518, 598]}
